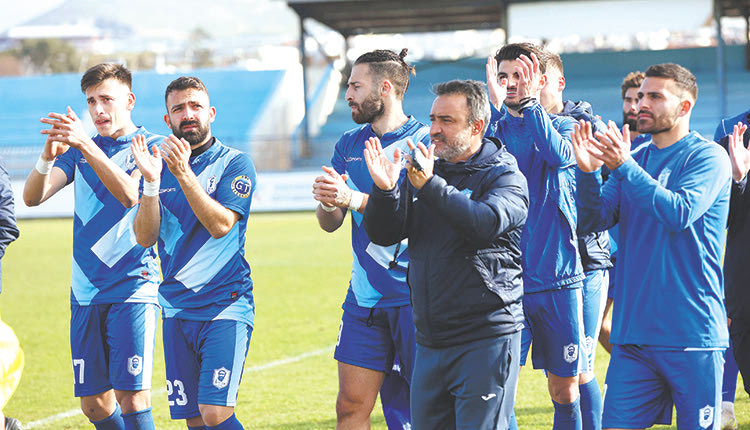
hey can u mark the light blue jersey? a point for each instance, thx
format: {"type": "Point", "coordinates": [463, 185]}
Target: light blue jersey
{"type": "Point", "coordinates": [378, 273]}
{"type": "Point", "coordinates": [207, 279]}
{"type": "Point", "coordinates": [672, 206]}
{"type": "Point", "coordinates": [108, 265]}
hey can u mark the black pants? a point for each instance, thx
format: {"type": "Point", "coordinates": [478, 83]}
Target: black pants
{"type": "Point", "coordinates": [739, 331]}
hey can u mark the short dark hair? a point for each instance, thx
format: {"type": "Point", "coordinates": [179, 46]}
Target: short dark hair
{"type": "Point", "coordinates": [476, 98]}
{"type": "Point", "coordinates": [101, 72]}
{"type": "Point", "coordinates": [632, 80]}
{"type": "Point", "coordinates": [683, 79]}
{"type": "Point", "coordinates": [184, 83]}
{"type": "Point", "coordinates": [386, 64]}
{"type": "Point", "coordinates": [512, 51]}
{"type": "Point", "coordinates": [551, 60]}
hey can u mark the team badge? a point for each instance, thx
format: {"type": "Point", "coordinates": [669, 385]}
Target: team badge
{"type": "Point", "coordinates": [135, 365]}
{"type": "Point", "coordinates": [211, 185]}
{"type": "Point", "coordinates": [221, 377]}
{"type": "Point", "coordinates": [242, 186]}
{"type": "Point", "coordinates": [130, 163]}
{"type": "Point", "coordinates": [570, 352]}
{"type": "Point", "coordinates": [706, 416]}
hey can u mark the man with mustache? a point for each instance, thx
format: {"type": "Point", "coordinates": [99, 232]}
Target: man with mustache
{"type": "Point", "coordinates": [671, 201]}
{"type": "Point", "coordinates": [552, 271]}
{"type": "Point", "coordinates": [376, 325]}
{"type": "Point", "coordinates": [114, 281]}
{"type": "Point", "coordinates": [196, 209]}
{"type": "Point", "coordinates": [463, 215]}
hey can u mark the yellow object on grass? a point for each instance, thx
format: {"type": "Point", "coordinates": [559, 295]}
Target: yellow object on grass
{"type": "Point", "coordinates": [11, 363]}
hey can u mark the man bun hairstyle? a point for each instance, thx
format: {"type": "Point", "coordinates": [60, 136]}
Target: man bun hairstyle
{"type": "Point", "coordinates": [476, 98]}
{"type": "Point", "coordinates": [184, 83]}
{"type": "Point", "coordinates": [512, 51]}
{"type": "Point", "coordinates": [632, 80]}
{"type": "Point", "coordinates": [684, 80]}
{"type": "Point", "coordinates": [386, 64]}
{"type": "Point", "coordinates": [101, 72]}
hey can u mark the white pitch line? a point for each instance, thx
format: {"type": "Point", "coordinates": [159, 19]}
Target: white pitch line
{"type": "Point", "coordinates": [258, 368]}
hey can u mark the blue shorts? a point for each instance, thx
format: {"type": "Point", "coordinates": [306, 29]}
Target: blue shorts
{"type": "Point", "coordinates": [112, 346]}
{"type": "Point", "coordinates": [204, 362]}
{"type": "Point", "coordinates": [594, 299]}
{"type": "Point", "coordinates": [644, 382]}
{"type": "Point", "coordinates": [525, 344]}
{"type": "Point", "coordinates": [555, 318]}
{"type": "Point", "coordinates": [373, 337]}
{"type": "Point", "coordinates": [467, 386]}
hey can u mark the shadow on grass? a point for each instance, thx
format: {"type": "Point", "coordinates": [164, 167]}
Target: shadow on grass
{"type": "Point", "coordinates": [377, 422]}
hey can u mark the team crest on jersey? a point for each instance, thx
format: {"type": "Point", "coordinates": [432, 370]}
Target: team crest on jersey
{"type": "Point", "coordinates": [130, 163]}
{"type": "Point", "coordinates": [211, 185]}
{"type": "Point", "coordinates": [570, 352]}
{"type": "Point", "coordinates": [221, 377]}
{"type": "Point", "coordinates": [135, 365]}
{"type": "Point", "coordinates": [242, 186]}
{"type": "Point", "coordinates": [706, 416]}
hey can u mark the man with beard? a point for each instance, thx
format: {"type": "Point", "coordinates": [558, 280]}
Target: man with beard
{"type": "Point", "coordinates": [463, 215]}
{"type": "Point", "coordinates": [197, 209]}
{"type": "Point", "coordinates": [671, 201]}
{"type": "Point", "coordinates": [113, 303]}
{"type": "Point", "coordinates": [552, 272]}
{"type": "Point", "coordinates": [376, 325]}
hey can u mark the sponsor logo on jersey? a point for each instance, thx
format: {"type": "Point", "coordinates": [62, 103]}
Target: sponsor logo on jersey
{"type": "Point", "coordinates": [211, 185]}
{"type": "Point", "coordinates": [167, 190]}
{"type": "Point", "coordinates": [352, 159]}
{"type": "Point", "coordinates": [570, 352]}
{"type": "Point", "coordinates": [135, 365]}
{"type": "Point", "coordinates": [242, 186]}
{"type": "Point", "coordinates": [706, 415]}
{"type": "Point", "coordinates": [221, 377]}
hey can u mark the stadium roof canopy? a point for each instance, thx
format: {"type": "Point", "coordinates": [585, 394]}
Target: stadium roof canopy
{"type": "Point", "coordinates": [732, 7]}
{"type": "Point", "coordinates": [352, 17]}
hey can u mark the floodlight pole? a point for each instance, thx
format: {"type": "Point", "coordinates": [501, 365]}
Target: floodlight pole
{"type": "Point", "coordinates": [305, 144]}
{"type": "Point", "coordinates": [721, 74]}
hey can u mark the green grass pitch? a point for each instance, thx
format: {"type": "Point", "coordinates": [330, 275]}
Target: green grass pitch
{"type": "Point", "coordinates": [300, 273]}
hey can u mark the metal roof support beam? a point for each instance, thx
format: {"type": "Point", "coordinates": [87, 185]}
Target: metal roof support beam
{"type": "Point", "coordinates": [305, 150]}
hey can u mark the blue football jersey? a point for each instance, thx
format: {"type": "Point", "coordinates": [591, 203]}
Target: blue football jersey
{"type": "Point", "coordinates": [108, 265]}
{"type": "Point", "coordinates": [378, 273]}
{"type": "Point", "coordinates": [205, 278]}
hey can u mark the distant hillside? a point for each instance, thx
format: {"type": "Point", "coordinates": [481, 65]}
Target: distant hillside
{"type": "Point", "coordinates": [150, 19]}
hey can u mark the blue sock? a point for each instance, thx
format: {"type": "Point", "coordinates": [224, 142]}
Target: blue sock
{"type": "Point", "coordinates": [197, 428]}
{"type": "Point", "coordinates": [230, 423]}
{"type": "Point", "coordinates": [113, 422]}
{"type": "Point", "coordinates": [513, 424]}
{"type": "Point", "coordinates": [591, 405]}
{"type": "Point", "coordinates": [729, 384]}
{"type": "Point", "coordinates": [139, 420]}
{"type": "Point", "coordinates": [567, 417]}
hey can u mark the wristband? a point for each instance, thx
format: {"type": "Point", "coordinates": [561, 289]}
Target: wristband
{"type": "Point", "coordinates": [151, 189]}
{"type": "Point", "coordinates": [525, 103]}
{"type": "Point", "coordinates": [44, 167]}
{"type": "Point", "coordinates": [327, 208]}
{"type": "Point", "coordinates": [356, 201]}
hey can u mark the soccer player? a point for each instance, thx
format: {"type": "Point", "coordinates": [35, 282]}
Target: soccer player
{"type": "Point", "coordinates": [114, 281]}
{"type": "Point", "coordinates": [197, 209]}
{"type": "Point", "coordinates": [552, 272]}
{"type": "Point", "coordinates": [463, 215]}
{"type": "Point", "coordinates": [731, 133]}
{"type": "Point", "coordinates": [593, 247]}
{"type": "Point", "coordinates": [376, 325]}
{"type": "Point", "coordinates": [671, 201]}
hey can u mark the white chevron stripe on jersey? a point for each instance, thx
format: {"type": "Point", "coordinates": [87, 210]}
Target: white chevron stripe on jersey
{"type": "Point", "coordinates": [87, 205]}
{"type": "Point", "coordinates": [118, 241]}
{"type": "Point", "coordinates": [209, 260]}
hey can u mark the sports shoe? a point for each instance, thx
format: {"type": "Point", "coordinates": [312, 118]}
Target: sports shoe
{"type": "Point", "coordinates": [12, 424]}
{"type": "Point", "coordinates": [728, 421]}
